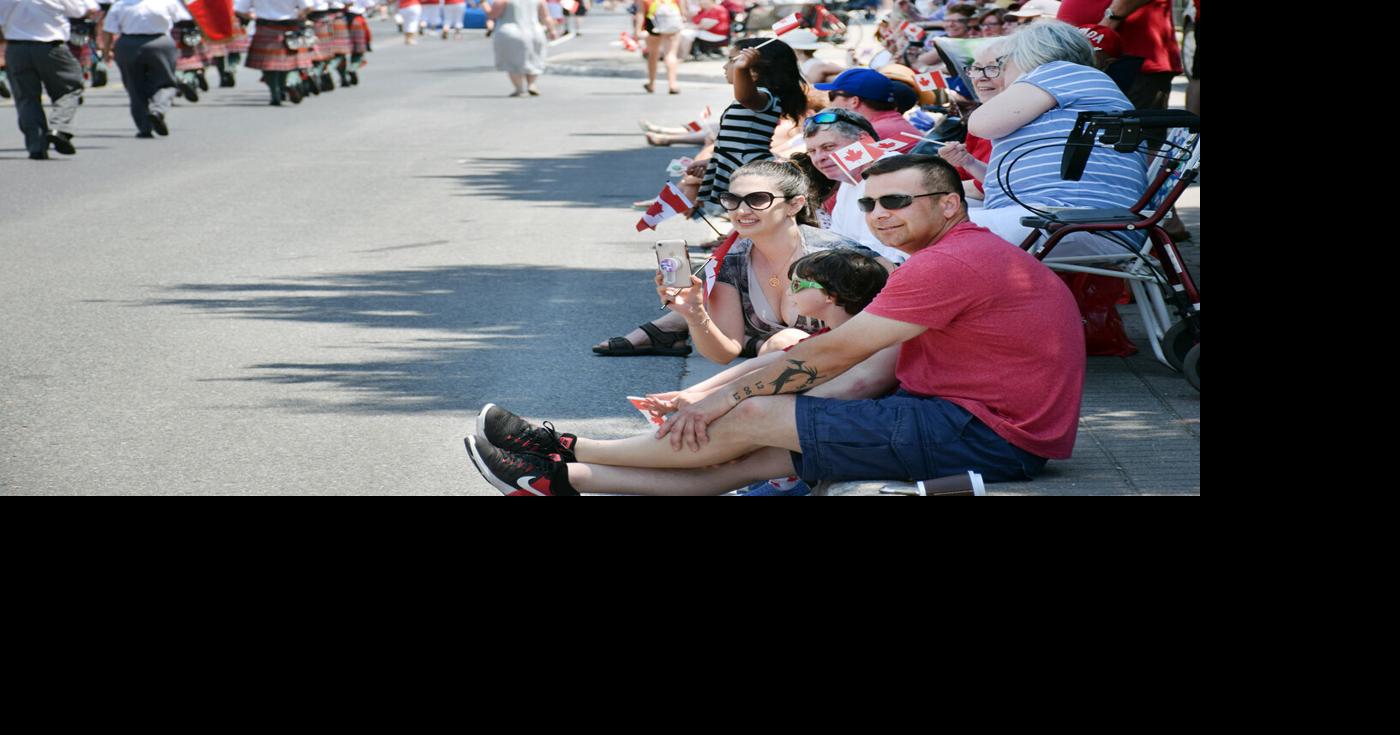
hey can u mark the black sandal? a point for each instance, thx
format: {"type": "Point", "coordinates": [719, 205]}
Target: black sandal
{"type": "Point", "coordinates": [663, 344]}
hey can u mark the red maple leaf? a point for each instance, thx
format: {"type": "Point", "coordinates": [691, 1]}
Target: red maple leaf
{"type": "Point", "coordinates": [854, 156]}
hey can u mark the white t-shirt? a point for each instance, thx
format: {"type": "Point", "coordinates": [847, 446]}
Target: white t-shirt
{"type": "Point", "coordinates": [849, 221]}
{"type": "Point", "coordinates": [40, 20]}
{"type": "Point", "coordinates": [144, 17]}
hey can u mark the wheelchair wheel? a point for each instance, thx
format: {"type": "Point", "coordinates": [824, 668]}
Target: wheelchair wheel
{"type": "Point", "coordinates": [1176, 343]}
{"type": "Point", "coordinates": [1192, 367]}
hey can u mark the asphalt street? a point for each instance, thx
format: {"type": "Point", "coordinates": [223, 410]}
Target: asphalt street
{"type": "Point", "coordinates": [316, 299]}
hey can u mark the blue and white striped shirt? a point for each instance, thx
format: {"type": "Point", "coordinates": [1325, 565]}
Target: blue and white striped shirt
{"type": "Point", "coordinates": [1111, 179]}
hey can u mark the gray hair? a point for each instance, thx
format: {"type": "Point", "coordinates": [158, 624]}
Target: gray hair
{"type": "Point", "coordinates": [845, 128]}
{"type": "Point", "coordinates": [997, 48]}
{"type": "Point", "coordinates": [1049, 40]}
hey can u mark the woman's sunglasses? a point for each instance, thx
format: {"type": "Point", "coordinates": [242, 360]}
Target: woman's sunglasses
{"type": "Point", "coordinates": [799, 285]}
{"type": "Point", "coordinates": [893, 201]}
{"type": "Point", "coordinates": [757, 201]}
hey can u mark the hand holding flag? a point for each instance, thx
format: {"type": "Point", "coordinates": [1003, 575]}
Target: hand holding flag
{"type": "Point", "coordinates": [669, 203]}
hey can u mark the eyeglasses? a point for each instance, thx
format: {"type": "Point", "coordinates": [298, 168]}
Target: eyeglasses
{"type": "Point", "coordinates": [799, 285]}
{"type": "Point", "coordinates": [757, 201]}
{"type": "Point", "coordinates": [990, 71]}
{"type": "Point", "coordinates": [893, 201]}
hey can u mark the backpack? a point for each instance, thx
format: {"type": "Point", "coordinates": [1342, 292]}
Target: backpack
{"type": "Point", "coordinates": [665, 17]}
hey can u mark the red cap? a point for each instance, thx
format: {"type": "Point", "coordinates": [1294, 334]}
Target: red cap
{"type": "Point", "coordinates": [1104, 39]}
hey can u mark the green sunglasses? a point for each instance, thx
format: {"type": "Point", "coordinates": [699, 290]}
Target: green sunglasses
{"type": "Point", "coordinates": [799, 285]}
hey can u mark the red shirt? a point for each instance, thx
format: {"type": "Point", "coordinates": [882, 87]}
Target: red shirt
{"type": "Point", "coordinates": [1149, 32]}
{"type": "Point", "coordinates": [981, 149]}
{"type": "Point", "coordinates": [1005, 340]}
{"type": "Point", "coordinates": [720, 15]}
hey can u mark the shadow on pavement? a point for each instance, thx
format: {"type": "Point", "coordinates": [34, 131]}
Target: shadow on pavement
{"type": "Point", "coordinates": [587, 178]}
{"type": "Point", "coordinates": [462, 336]}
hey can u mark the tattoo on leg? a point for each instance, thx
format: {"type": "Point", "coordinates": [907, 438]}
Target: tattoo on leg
{"type": "Point", "coordinates": [798, 370]}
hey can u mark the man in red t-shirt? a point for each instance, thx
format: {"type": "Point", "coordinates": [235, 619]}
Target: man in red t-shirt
{"type": "Point", "coordinates": [1148, 30]}
{"type": "Point", "coordinates": [990, 369]}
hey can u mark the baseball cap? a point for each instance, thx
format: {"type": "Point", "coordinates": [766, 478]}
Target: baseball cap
{"type": "Point", "coordinates": [1037, 8]}
{"type": "Point", "coordinates": [866, 84]}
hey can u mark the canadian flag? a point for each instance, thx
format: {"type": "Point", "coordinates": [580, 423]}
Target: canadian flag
{"type": "Point", "coordinates": [890, 145]}
{"type": "Point", "coordinates": [696, 126]}
{"type": "Point", "coordinates": [215, 17]}
{"type": "Point", "coordinates": [911, 31]}
{"type": "Point", "coordinates": [930, 81]}
{"type": "Point", "coordinates": [717, 260]}
{"type": "Point", "coordinates": [629, 44]}
{"type": "Point", "coordinates": [669, 203]}
{"type": "Point", "coordinates": [790, 23]}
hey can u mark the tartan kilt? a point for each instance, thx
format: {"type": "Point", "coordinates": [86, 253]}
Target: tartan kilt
{"type": "Point", "coordinates": [215, 49]}
{"type": "Point", "coordinates": [83, 54]}
{"type": "Point", "coordinates": [325, 39]}
{"type": "Point", "coordinates": [268, 53]}
{"type": "Point", "coordinates": [359, 35]}
{"type": "Point", "coordinates": [239, 42]}
{"type": "Point", "coordinates": [340, 35]}
{"type": "Point", "coordinates": [189, 58]}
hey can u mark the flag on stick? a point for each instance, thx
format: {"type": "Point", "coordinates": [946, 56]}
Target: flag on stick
{"type": "Point", "coordinates": [669, 203]}
{"type": "Point", "coordinates": [788, 24]}
{"type": "Point", "coordinates": [912, 32]}
{"type": "Point", "coordinates": [712, 267]}
{"type": "Point", "coordinates": [930, 81]}
{"type": "Point", "coordinates": [697, 125]}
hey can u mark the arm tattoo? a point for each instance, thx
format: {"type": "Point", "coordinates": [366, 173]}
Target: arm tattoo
{"type": "Point", "coordinates": [798, 370]}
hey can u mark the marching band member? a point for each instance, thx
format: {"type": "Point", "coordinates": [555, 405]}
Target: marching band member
{"type": "Point", "coordinates": [38, 60]}
{"type": "Point", "coordinates": [412, 13]}
{"type": "Point", "coordinates": [276, 50]}
{"type": "Point", "coordinates": [146, 55]}
{"type": "Point", "coordinates": [360, 38]}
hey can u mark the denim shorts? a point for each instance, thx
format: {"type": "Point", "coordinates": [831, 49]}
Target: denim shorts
{"type": "Point", "coordinates": [902, 437]}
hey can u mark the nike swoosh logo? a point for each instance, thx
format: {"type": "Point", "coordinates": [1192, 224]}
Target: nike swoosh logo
{"type": "Point", "coordinates": [524, 484]}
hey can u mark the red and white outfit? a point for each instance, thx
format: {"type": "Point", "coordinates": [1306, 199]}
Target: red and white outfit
{"type": "Point", "coordinates": [454, 15]}
{"type": "Point", "coordinates": [411, 14]}
{"type": "Point", "coordinates": [432, 14]}
{"type": "Point", "coordinates": [268, 51]}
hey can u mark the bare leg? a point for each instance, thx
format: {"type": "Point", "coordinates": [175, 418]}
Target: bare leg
{"type": "Point", "coordinates": [518, 81]}
{"type": "Point", "coordinates": [530, 80]}
{"type": "Point", "coordinates": [653, 54]}
{"type": "Point", "coordinates": [671, 322]}
{"type": "Point", "coordinates": [761, 465]}
{"type": "Point", "coordinates": [770, 421]}
{"type": "Point", "coordinates": [672, 63]}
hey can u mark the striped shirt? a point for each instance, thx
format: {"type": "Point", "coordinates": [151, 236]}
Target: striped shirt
{"type": "Point", "coordinates": [1111, 179]}
{"type": "Point", "coordinates": [745, 136]}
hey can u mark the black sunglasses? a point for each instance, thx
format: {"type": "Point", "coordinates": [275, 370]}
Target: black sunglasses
{"type": "Point", "coordinates": [757, 201]}
{"type": "Point", "coordinates": [893, 201]}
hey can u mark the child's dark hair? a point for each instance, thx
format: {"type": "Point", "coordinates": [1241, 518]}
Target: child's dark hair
{"type": "Point", "coordinates": [777, 71]}
{"type": "Point", "coordinates": [852, 277]}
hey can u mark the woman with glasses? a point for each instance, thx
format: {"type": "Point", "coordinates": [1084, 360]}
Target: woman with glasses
{"type": "Point", "coordinates": [1049, 79]}
{"type": "Point", "coordinates": [751, 310]}
{"type": "Point", "coordinates": [971, 156]}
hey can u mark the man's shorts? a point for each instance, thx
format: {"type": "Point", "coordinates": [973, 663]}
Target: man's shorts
{"type": "Point", "coordinates": [903, 437]}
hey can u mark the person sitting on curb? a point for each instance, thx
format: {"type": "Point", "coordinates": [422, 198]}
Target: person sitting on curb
{"type": "Point", "coordinates": [827, 132]}
{"type": "Point", "coordinates": [876, 98]}
{"type": "Point", "coordinates": [991, 373]}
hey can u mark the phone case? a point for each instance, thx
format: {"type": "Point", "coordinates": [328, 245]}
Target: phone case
{"type": "Point", "coordinates": [674, 261]}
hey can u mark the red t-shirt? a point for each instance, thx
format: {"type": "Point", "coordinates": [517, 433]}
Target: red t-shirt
{"type": "Point", "coordinates": [1149, 32]}
{"type": "Point", "coordinates": [720, 15]}
{"type": "Point", "coordinates": [1005, 340]}
{"type": "Point", "coordinates": [891, 125]}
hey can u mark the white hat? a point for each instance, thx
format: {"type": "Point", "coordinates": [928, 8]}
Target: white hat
{"type": "Point", "coordinates": [801, 39]}
{"type": "Point", "coordinates": [1038, 8]}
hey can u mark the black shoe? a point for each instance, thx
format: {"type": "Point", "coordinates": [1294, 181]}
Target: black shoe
{"type": "Point", "coordinates": [99, 78]}
{"type": "Point", "coordinates": [63, 143]}
{"type": "Point", "coordinates": [202, 81]}
{"type": "Point", "coordinates": [188, 92]}
{"type": "Point", "coordinates": [294, 95]}
{"type": "Point", "coordinates": [145, 136]}
{"type": "Point", "coordinates": [505, 430]}
{"type": "Point", "coordinates": [520, 475]}
{"type": "Point", "coordinates": [39, 156]}
{"type": "Point", "coordinates": [355, 78]}
{"type": "Point", "coordinates": [327, 84]}
{"type": "Point", "coordinates": [158, 125]}
{"type": "Point", "coordinates": [275, 103]}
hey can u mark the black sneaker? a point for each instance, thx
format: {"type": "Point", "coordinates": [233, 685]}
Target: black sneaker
{"type": "Point", "coordinates": [521, 475]}
{"type": "Point", "coordinates": [39, 156]}
{"type": "Point", "coordinates": [504, 430]}
{"type": "Point", "coordinates": [202, 80]}
{"type": "Point", "coordinates": [158, 125]}
{"type": "Point", "coordinates": [63, 143]}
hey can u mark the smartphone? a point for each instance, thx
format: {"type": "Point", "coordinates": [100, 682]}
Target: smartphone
{"type": "Point", "coordinates": [673, 259]}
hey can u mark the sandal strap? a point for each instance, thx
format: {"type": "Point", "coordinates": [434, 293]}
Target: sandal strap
{"type": "Point", "coordinates": [620, 344]}
{"type": "Point", "coordinates": [661, 338]}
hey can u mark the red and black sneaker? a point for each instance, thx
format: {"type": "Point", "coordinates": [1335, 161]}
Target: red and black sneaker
{"type": "Point", "coordinates": [504, 430]}
{"type": "Point", "coordinates": [521, 474]}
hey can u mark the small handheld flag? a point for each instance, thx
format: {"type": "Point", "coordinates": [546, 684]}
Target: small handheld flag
{"type": "Point", "coordinates": [788, 24]}
{"type": "Point", "coordinates": [930, 81]}
{"type": "Point", "coordinates": [669, 203]}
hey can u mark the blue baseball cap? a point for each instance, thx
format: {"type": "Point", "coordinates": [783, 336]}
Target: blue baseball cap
{"type": "Point", "coordinates": [866, 84]}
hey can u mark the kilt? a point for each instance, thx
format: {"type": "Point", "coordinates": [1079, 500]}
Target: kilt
{"type": "Point", "coordinates": [238, 43]}
{"type": "Point", "coordinates": [84, 55]}
{"type": "Point", "coordinates": [189, 58]}
{"type": "Point", "coordinates": [325, 39]}
{"type": "Point", "coordinates": [359, 35]}
{"type": "Point", "coordinates": [215, 49]}
{"type": "Point", "coordinates": [269, 53]}
{"type": "Point", "coordinates": [340, 35]}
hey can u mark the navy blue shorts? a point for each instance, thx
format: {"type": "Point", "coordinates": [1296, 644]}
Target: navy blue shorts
{"type": "Point", "coordinates": [903, 437]}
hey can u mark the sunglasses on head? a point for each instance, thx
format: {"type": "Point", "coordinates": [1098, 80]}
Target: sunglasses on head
{"type": "Point", "coordinates": [757, 201]}
{"type": "Point", "coordinates": [893, 201]}
{"type": "Point", "coordinates": [832, 116]}
{"type": "Point", "coordinates": [801, 284]}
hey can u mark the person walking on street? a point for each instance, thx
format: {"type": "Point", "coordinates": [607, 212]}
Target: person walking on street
{"type": "Point", "coordinates": [146, 55]}
{"type": "Point", "coordinates": [37, 60]}
{"type": "Point", "coordinates": [519, 40]}
{"type": "Point", "coordinates": [276, 20]}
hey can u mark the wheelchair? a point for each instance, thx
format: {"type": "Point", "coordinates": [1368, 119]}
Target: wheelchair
{"type": "Point", "coordinates": [1138, 250]}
